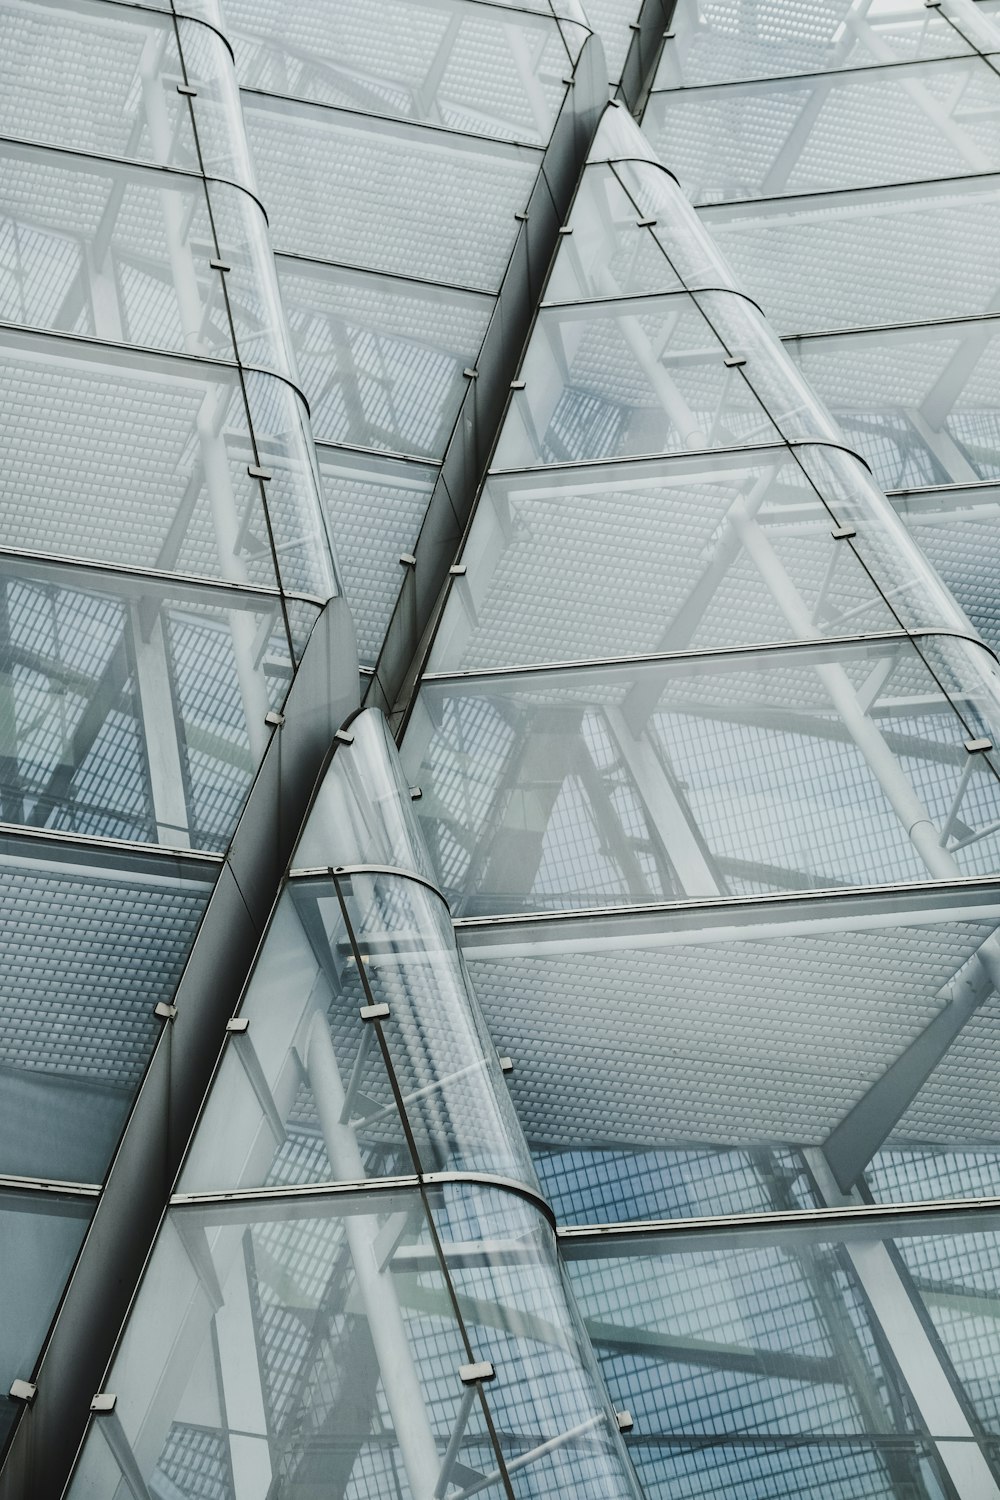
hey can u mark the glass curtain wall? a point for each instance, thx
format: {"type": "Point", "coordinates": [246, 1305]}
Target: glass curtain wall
{"type": "Point", "coordinates": [163, 556]}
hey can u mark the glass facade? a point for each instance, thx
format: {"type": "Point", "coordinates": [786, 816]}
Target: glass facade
{"type": "Point", "coordinates": [499, 749]}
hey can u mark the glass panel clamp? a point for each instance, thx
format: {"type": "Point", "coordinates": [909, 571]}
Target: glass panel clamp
{"type": "Point", "coordinates": [506, 1064]}
{"type": "Point", "coordinates": [408, 560]}
{"type": "Point", "coordinates": [416, 793]}
{"type": "Point", "coordinates": [185, 88]}
{"type": "Point", "coordinates": [23, 1390]}
{"type": "Point", "coordinates": [624, 1420]}
{"type": "Point", "coordinates": [470, 373]}
{"type": "Point", "coordinates": [104, 1401]}
{"type": "Point", "coordinates": [374, 1012]}
{"type": "Point", "coordinates": [976, 747]}
{"type": "Point", "coordinates": [734, 361]}
{"type": "Point", "coordinates": [256, 472]}
{"type": "Point", "coordinates": [476, 1374]}
{"type": "Point", "coordinates": [220, 265]}
{"type": "Point", "coordinates": [565, 229]}
{"type": "Point", "coordinates": [344, 737]}
{"type": "Point", "coordinates": [517, 385]}
{"type": "Point", "coordinates": [645, 223]}
{"type": "Point", "coordinates": [842, 533]}
{"type": "Point", "coordinates": [236, 1025]}
{"type": "Point", "coordinates": [164, 1011]}
{"type": "Point", "coordinates": [458, 570]}
{"type": "Point", "coordinates": [273, 718]}
{"type": "Point", "coordinates": [521, 216]}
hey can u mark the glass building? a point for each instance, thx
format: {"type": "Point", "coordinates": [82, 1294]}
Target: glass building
{"type": "Point", "coordinates": [500, 749]}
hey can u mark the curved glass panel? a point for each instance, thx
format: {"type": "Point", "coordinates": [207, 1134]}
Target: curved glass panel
{"type": "Point", "coordinates": [222, 142]}
{"type": "Point", "coordinates": [678, 555]}
{"type": "Point", "coordinates": [554, 1423]}
{"type": "Point", "coordinates": [388, 196]}
{"type": "Point", "coordinates": [291, 1347]}
{"type": "Point", "coordinates": [311, 1091]}
{"type": "Point", "coordinates": [840, 130]}
{"type": "Point", "coordinates": [421, 61]}
{"type": "Point", "coordinates": [874, 256]}
{"type": "Point", "coordinates": [362, 813]}
{"type": "Point", "coordinates": [610, 253]}
{"type": "Point", "coordinates": [797, 769]}
{"type": "Point", "coordinates": [747, 1043]}
{"type": "Point", "coordinates": [631, 377]}
{"type": "Point", "coordinates": [142, 460]}
{"type": "Point", "coordinates": [124, 253]}
{"type": "Point", "coordinates": [381, 359]}
{"type": "Point", "coordinates": [713, 43]}
{"type": "Point", "coordinates": [91, 942]}
{"type": "Point", "coordinates": [920, 404]}
{"type": "Point", "coordinates": [958, 530]}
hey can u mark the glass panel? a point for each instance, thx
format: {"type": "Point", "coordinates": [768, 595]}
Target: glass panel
{"type": "Point", "coordinates": [91, 943]}
{"type": "Point", "coordinates": [381, 360]}
{"type": "Point", "coordinates": [958, 530]}
{"type": "Point", "coordinates": [841, 130]}
{"type": "Point", "coordinates": [746, 1042]}
{"type": "Point", "coordinates": [362, 812]}
{"type": "Point", "coordinates": [721, 775]}
{"type": "Point", "coordinates": [554, 1423]}
{"type": "Point", "coordinates": [612, 19]}
{"type": "Point", "coordinates": [468, 68]}
{"type": "Point", "coordinates": [803, 1332]}
{"type": "Point", "coordinates": [920, 404]}
{"type": "Point", "coordinates": [102, 82]}
{"type": "Point", "coordinates": [222, 143]}
{"type": "Point", "coordinates": [714, 43]}
{"type": "Point", "coordinates": [631, 377]}
{"type": "Point", "coordinates": [672, 555]}
{"type": "Point", "coordinates": [292, 1348]}
{"type": "Point", "coordinates": [39, 1239]}
{"type": "Point", "coordinates": [609, 253]}
{"type": "Point", "coordinates": [387, 196]}
{"type": "Point", "coordinates": [374, 507]}
{"type": "Point", "coordinates": [872, 257]}
{"type": "Point", "coordinates": [132, 709]}
{"type": "Point", "coordinates": [142, 460]}
{"type": "Point", "coordinates": [304, 1095]}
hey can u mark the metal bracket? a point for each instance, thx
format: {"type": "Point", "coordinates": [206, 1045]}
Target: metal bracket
{"type": "Point", "coordinates": [220, 265]}
{"type": "Point", "coordinates": [274, 719]}
{"type": "Point", "coordinates": [237, 1025]}
{"type": "Point", "coordinates": [23, 1390]}
{"type": "Point", "coordinates": [104, 1401]}
{"type": "Point", "coordinates": [187, 90]}
{"type": "Point", "coordinates": [256, 472]}
{"type": "Point", "coordinates": [977, 747]}
{"type": "Point", "coordinates": [518, 385]}
{"type": "Point", "coordinates": [734, 361]}
{"type": "Point", "coordinates": [842, 533]}
{"type": "Point", "coordinates": [645, 223]}
{"type": "Point", "coordinates": [476, 1374]}
{"type": "Point", "coordinates": [378, 1012]}
{"type": "Point", "coordinates": [458, 570]}
{"type": "Point", "coordinates": [344, 737]}
{"type": "Point", "coordinates": [506, 1064]}
{"type": "Point", "coordinates": [624, 1420]}
{"type": "Point", "coordinates": [164, 1011]}
{"type": "Point", "coordinates": [408, 560]}
{"type": "Point", "coordinates": [416, 793]}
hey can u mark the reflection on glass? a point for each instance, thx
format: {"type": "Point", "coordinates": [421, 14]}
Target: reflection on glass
{"type": "Point", "coordinates": [90, 944]}
{"type": "Point", "coordinates": [920, 404]}
{"type": "Point", "coordinates": [743, 1042]}
{"type": "Point", "coordinates": [312, 1091]}
{"type": "Point", "coordinates": [292, 1348]}
{"type": "Point", "coordinates": [133, 709]}
{"type": "Point", "coordinates": [39, 1239]}
{"type": "Point", "coordinates": [838, 130]}
{"type": "Point", "coordinates": [342, 187]}
{"type": "Point", "coordinates": [142, 460]}
{"type": "Point", "coordinates": [867, 1356]}
{"type": "Point", "coordinates": [687, 554]}
{"type": "Point", "coordinates": [711, 43]}
{"type": "Point", "coordinates": [427, 60]}
{"type": "Point", "coordinates": [876, 258]}
{"type": "Point", "coordinates": [381, 360]}
{"type": "Point", "coordinates": [775, 771]}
